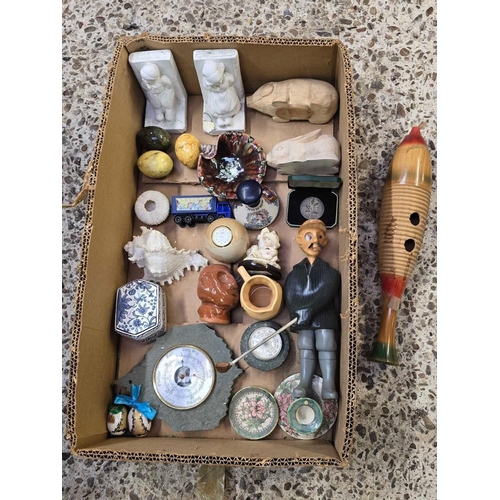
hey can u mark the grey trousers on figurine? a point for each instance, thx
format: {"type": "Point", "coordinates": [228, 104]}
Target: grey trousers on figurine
{"type": "Point", "coordinates": [317, 346]}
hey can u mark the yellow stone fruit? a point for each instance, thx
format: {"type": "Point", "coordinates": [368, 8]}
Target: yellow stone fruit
{"type": "Point", "coordinates": [187, 150]}
{"type": "Point", "coordinates": [155, 164]}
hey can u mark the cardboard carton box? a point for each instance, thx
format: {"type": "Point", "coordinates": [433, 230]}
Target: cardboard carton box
{"type": "Point", "coordinates": [99, 355]}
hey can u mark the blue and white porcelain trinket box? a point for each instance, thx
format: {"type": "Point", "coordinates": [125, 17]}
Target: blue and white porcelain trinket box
{"type": "Point", "coordinates": [141, 312]}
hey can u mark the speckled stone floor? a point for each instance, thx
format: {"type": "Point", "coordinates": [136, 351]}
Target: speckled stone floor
{"type": "Point", "coordinates": [392, 44]}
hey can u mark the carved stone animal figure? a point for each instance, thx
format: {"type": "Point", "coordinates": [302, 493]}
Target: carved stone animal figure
{"type": "Point", "coordinates": [296, 99]}
{"type": "Point", "coordinates": [313, 153]}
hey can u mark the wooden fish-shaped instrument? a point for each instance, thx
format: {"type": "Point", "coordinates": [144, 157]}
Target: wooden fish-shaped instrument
{"type": "Point", "coordinates": [403, 216]}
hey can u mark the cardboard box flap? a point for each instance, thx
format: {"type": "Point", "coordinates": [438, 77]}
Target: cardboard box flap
{"type": "Point", "coordinates": [266, 453]}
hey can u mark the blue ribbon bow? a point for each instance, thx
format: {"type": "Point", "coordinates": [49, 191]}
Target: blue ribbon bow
{"type": "Point", "coordinates": [132, 401]}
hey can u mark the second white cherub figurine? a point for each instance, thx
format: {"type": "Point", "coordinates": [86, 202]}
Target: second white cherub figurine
{"type": "Point", "coordinates": [221, 85]}
{"type": "Point", "coordinates": [223, 102]}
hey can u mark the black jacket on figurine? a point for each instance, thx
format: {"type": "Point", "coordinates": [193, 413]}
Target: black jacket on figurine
{"type": "Point", "coordinates": [312, 293]}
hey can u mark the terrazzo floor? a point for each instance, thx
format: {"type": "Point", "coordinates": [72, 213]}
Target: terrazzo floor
{"type": "Point", "coordinates": [393, 49]}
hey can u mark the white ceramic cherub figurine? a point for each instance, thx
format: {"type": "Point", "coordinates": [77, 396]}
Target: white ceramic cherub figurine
{"type": "Point", "coordinates": [266, 251]}
{"type": "Point", "coordinates": [159, 92]}
{"type": "Point", "coordinates": [223, 102]}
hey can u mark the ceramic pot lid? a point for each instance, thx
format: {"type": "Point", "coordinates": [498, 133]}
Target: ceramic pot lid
{"type": "Point", "coordinates": [262, 214]}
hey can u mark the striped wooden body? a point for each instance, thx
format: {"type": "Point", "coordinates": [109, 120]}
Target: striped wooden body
{"type": "Point", "coordinates": [403, 216]}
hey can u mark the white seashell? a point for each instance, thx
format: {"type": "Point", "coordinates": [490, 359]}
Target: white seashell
{"type": "Point", "coordinates": [138, 424]}
{"type": "Point", "coordinates": [152, 207]}
{"type": "Point", "coordinates": [117, 420]}
{"type": "Point", "coordinates": [161, 262]}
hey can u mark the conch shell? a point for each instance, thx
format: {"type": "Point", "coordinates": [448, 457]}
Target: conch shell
{"type": "Point", "coordinates": [162, 263]}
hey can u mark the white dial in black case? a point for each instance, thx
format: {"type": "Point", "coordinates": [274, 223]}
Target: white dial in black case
{"type": "Point", "coordinates": [272, 353]}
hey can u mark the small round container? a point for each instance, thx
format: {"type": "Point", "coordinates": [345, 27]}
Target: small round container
{"type": "Point", "coordinates": [305, 416]}
{"type": "Point", "coordinates": [257, 206]}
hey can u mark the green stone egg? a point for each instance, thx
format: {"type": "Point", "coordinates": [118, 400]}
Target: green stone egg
{"type": "Point", "coordinates": [153, 138]}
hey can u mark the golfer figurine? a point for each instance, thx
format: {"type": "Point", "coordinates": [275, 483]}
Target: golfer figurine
{"type": "Point", "coordinates": [312, 294]}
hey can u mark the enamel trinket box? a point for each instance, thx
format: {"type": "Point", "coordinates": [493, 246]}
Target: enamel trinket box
{"type": "Point", "coordinates": [141, 312]}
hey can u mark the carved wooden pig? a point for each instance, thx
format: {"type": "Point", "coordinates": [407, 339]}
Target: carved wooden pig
{"type": "Point", "coordinates": [296, 99]}
{"type": "Point", "coordinates": [313, 153]}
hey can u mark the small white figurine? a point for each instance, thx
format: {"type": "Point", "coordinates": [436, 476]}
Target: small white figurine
{"type": "Point", "coordinates": [221, 85]}
{"type": "Point", "coordinates": [166, 97]}
{"type": "Point", "coordinates": [266, 251]}
{"type": "Point", "coordinates": [313, 153]}
{"type": "Point", "coordinates": [159, 92]}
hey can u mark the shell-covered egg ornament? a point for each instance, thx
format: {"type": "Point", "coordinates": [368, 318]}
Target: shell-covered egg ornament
{"type": "Point", "coordinates": [162, 263]}
{"type": "Point", "coordinates": [117, 420]}
{"type": "Point", "coordinates": [140, 413]}
{"type": "Point", "coordinates": [138, 424]}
